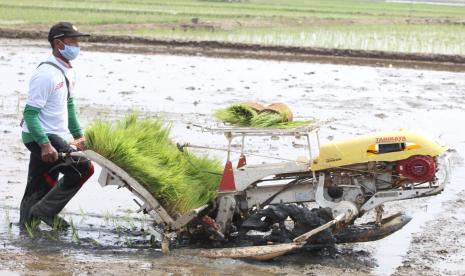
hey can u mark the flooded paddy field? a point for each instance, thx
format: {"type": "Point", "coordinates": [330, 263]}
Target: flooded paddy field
{"type": "Point", "coordinates": [107, 237]}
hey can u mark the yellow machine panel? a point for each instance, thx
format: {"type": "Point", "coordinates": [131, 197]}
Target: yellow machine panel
{"type": "Point", "coordinates": [383, 146]}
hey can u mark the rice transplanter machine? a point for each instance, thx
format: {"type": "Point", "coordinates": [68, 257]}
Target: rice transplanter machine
{"type": "Point", "coordinates": [264, 210]}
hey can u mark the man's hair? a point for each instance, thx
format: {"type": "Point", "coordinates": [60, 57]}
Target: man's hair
{"type": "Point", "coordinates": [60, 39]}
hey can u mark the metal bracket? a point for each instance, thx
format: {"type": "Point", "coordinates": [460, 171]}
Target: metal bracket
{"type": "Point", "coordinates": [381, 197]}
{"type": "Point", "coordinates": [226, 207]}
{"type": "Point", "coordinates": [108, 178]}
{"type": "Point", "coordinates": [188, 217]}
{"type": "Point", "coordinates": [347, 209]}
{"type": "Point", "coordinates": [114, 175]}
{"type": "Point", "coordinates": [319, 194]}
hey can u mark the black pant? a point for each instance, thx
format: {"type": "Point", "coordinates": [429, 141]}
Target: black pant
{"type": "Point", "coordinates": [42, 180]}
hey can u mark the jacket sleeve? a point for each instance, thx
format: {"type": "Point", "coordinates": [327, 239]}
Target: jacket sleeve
{"type": "Point", "coordinates": [73, 122]}
{"type": "Point", "coordinates": [40, 88]}
{"type": "Point", "coordinates": [31, 117]}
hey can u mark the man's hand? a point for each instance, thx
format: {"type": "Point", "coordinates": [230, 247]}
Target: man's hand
{"type": "Point", "coordinates": [79, 143]}
{"type": "Point", "coordinates": [49, 153]}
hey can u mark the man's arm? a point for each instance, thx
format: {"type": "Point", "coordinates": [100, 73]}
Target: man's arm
{"type": "Point", "coordinates": [31, 117]}
{"type": "Point", "coordinates": [73, 122]}
{"type": "Point", "coordinates": [74, 127]}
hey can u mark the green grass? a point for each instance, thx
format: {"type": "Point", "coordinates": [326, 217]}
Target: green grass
{"type": "Point", "coordinates": [142, 147]}
{"type": "Point", "coordinates": [367, 25]}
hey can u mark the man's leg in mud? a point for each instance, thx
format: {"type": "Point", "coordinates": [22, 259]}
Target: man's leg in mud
{"type": "Point", "coordinates": [39, 182]}
{"type": "Point", "coordinates": [48, 207]}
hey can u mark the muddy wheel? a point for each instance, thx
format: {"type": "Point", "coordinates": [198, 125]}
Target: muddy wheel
{"type": "Point", "coordinates": [285, 223]}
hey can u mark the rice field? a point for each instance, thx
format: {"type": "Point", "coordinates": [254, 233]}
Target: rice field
{"type": "Point", "coordinates": [436, 39]}
{"type": "Point", "coordinates": [348, 24]}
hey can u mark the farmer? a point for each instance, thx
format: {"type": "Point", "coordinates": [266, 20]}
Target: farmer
{"type": "Point", "coordinates": [49, 116]}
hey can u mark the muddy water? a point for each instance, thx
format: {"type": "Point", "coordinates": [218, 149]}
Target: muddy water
{"type": "Point", "coordinates": [110, 237]}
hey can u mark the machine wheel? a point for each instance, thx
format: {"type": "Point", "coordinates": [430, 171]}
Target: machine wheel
{"type": "Point", "coordinates": [285, 223]}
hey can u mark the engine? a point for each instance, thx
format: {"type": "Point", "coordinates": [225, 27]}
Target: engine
{"type": "Point", "coordinates": [417, 168]}
{"type": "Point", "coordinates": [357, 182]}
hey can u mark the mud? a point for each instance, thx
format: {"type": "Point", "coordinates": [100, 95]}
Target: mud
{"type": "Point", "coordinates": [432, 253]}
{"type": "Point", "coordinates": [109, 238]}
{"type": "Point", "coordinates": [147, 45]}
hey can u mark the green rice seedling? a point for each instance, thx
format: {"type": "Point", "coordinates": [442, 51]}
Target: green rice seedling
{"type": "Point", "coordinates": [56, 223]}
{"type": "Point", "coordinates": [236, 114]}
{"type": "Point", "coordinates": [143, 149]}
{"type": "Point", "coordinates": [29, 230]}
{"type": "Point", "coordinates": [268, 119]}
{"type": "Point", "coordinates": [94, 242]}
{"type": "Point", "coordinates": [8, 222]}
{"type": "Point", "coordinates": [51, 237]}
{"type": "Point", "coordinates": [83, 214]}
{"type": "Point", "coordinates": [244, 115]}
{"type": "Point", "coordinates": [116, 225]}
{"type": "Point", "coordinates": [128, 219]}
{"type": "Point", "coordinates": [31, 227]}
{"type": "Point", "coordinates": [294, 124]}
{"type": "Point", "coordinates": [74, 232]}
{"type": "Point", "coordinates": [128, 241]}
{"type": "Point", "coordinates": [106, 217]}
{"type": "Point", "coordinates": [7, 215]}
{"type": "Point", "coordinates": [277, 120]}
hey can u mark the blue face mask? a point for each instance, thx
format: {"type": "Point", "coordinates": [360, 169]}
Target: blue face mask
{"type": "Point", "coordinates": [70, 52]}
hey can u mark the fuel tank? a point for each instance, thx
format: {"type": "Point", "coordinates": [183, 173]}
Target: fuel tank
{"type": "Point", "coordinates": [382, 146]}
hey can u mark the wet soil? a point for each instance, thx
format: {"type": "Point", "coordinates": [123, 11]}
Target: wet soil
{"type": "Point", "coordinates": [109, 238]}
{"type": "Point", "coordinates": [135, 44]}
{"type": "Point", "coordinates": [439, 250]}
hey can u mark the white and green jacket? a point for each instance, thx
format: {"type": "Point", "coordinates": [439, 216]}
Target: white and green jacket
{"type": "Point", "coordinates": [49, 109]}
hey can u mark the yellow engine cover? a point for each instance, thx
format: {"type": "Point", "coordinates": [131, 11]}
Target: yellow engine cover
{"type": "Point", "coordinates": [370, 147]}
